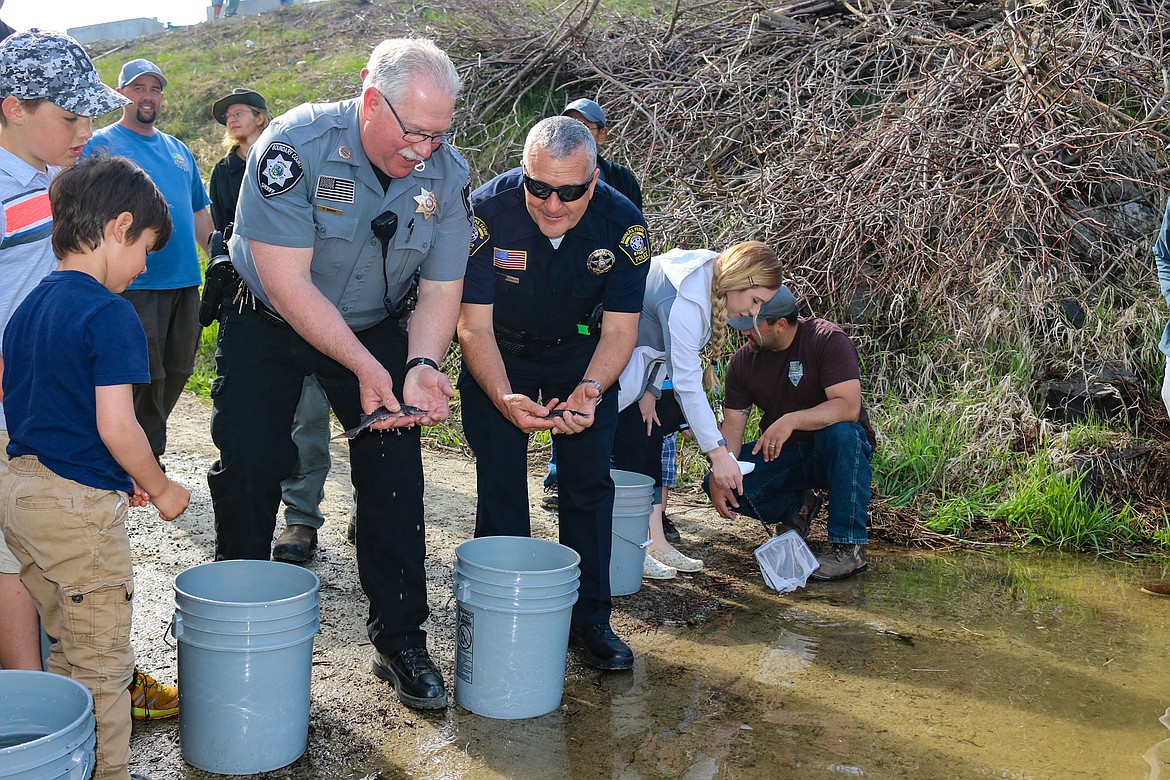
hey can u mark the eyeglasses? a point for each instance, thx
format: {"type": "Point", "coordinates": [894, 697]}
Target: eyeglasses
{"type": "Point", "coordinates": [240, 114]}
{"type": "Point", "coordinates": [566, 192]}
{"type": "Point", "coordinates": [414, 136]}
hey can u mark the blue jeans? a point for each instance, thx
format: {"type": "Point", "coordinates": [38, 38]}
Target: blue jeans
{"type": "Point", "coordinates": [837, 460]}
{"type": "Point", "coordinates": [304, 491]}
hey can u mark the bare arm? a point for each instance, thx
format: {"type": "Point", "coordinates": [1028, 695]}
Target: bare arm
{"type": "Point", "coordinates": [723, 497]}
{"type": "Point", "coordinates": [481, 353]}
{"type": "Point", "coordinates": [124, 438]}
{"type": "Point", "coordinates": [203, 228]}
{"type": "Point", "coordinates": [842, 404]}
{"type": "Point", "coordinates": [619, 334]}
{"type": "Point", "coordinates": [284, 273]}
{"type": "Point", "coordinates": [431, 328]}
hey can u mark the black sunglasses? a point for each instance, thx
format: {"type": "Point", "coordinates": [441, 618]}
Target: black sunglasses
{"type": "Point", "coordinates": [566, 192]}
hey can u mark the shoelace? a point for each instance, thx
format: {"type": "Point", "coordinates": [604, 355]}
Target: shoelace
{"type": "Point", "coordinates": [416, 661]}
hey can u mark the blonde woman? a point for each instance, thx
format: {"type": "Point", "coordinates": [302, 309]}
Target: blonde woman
{"type": "Point", "coordinates": [689, 296]}
{"type": "Point", "coordinates": [244, 114]}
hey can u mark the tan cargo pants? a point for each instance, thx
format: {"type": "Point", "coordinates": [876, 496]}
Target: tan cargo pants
{"type": "Point", "coordinates": [75, 561]}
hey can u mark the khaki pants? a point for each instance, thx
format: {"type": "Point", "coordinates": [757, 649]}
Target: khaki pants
{"type": "Point", "coordinates": [8, 562]}
{"type": "Point", "coordinates": [75, 561]}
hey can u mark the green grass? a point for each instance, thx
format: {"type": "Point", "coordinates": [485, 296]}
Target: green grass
{"type": "Point", "coordinates": [1053, 508]}
{"type": "Point", "coordinates": [920, 443]}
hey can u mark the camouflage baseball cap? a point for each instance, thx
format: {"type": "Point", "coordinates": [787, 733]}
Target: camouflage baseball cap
{"type": "Point", "coordinates": [45, 64]}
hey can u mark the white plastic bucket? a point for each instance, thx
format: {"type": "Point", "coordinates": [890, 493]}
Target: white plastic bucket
{"type": "Point", "coordinates": [514, 599]}
{"type": "Point", "coordinates": [245, 632]}
{"type": "Point", "coordinates": [633, 498]}
{"type": "Point", "coordinates": [46, 727]}
{"type": "Point", "coordinates": [630, 539]}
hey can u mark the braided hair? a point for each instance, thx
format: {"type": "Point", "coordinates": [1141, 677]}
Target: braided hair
{"type": "Point", "coordinates": [739, 267]}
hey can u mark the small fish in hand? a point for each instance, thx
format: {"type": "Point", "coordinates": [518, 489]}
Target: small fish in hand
{"type": "Point", "coordinates": [563, 412]}
{"type": "Point", "coordinates": [379, 414]}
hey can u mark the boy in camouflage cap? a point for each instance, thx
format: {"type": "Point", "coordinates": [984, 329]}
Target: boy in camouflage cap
{"type": "Point", "coordinates": [49, 90]}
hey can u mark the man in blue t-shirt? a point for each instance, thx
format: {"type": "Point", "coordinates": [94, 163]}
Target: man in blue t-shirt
{"type": "Point", "coordinates": [166, 297]}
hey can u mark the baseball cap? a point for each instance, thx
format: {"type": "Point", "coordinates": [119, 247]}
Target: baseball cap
{"type": "Point", "coordinates": [238, 95]}
{"type": "Point", "coordinates": [45, 64]}
{"type": "Point", "coordinates": [782, 304]}
{"type": "Point", "coordinates": [588, 109]}
{"type": "Point", "coordinates": [139, 67]}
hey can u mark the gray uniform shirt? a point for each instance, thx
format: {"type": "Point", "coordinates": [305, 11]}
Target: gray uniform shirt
{"type": "Point", "coordinates": [309, 184]}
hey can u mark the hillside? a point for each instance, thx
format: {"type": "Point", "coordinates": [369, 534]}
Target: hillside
{"type": "Point", "coordinates": [969, 188]}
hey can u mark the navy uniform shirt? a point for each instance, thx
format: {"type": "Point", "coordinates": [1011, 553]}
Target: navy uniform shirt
{"type": "Point", "coordinates": [546, 292]}
{"type": "Point", "coordinates": [309, 184]}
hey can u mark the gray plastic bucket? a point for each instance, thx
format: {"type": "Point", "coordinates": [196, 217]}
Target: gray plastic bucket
{"type": "Point", "coordinates": [46, 727]}
{"type": "Point", "coordinates": [514, 598]}
{"type": "Point", "coordinates": [630, 540]}
{"type": "Point", "coordinates": [245, 631]}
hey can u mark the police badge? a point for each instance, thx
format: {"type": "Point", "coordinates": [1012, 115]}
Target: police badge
{"type": "Point", "coordinates": [795, 372]}
{"type": "Point", "coordinates": [599, 261]}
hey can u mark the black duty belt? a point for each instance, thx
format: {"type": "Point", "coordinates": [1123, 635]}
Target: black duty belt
{"type": "Point", "coordinates": [246, 299]}
{"type": "Point", "coordinates": [515, 342]}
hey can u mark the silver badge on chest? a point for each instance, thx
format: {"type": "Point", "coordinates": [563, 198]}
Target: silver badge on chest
{"type": "Point", "coordinates": [599, 261]}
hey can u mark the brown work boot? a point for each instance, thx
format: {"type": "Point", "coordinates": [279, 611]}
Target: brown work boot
{"type": "Point", "coordinates": [296, 544]}
{"type": "Point", "coordinates": [840, 561]}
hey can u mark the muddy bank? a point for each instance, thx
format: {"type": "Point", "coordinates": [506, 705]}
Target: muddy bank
{"type": "Point", "coordinates": [352, 712]}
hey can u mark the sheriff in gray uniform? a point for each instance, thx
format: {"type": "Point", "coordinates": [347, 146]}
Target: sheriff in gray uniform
{"type": "Point", "coordinates": [343, 203]}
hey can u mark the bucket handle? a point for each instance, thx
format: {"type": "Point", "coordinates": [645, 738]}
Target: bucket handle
{"type": "Point", "coordinates": [82, 765]}
{"type": "Point", "coordinates": [643, 545]}
{"type": "Point", "coordinates": [176, 626]}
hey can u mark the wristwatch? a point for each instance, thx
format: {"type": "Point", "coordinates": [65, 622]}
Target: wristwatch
{"type": "Point", "coordinates": [420, 361]}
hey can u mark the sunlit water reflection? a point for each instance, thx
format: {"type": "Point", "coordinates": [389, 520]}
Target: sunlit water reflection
{"type": "Point", "coordinates": [926, 666]}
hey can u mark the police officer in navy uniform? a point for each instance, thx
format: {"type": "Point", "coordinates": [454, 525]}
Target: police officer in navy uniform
{"type": "Point", "coordinates": [549, 244]}
{"type": "Point", "coordinates": [341, 205]}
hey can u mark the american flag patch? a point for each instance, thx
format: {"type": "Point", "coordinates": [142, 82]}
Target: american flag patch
{"type": "Point", "coordinates": [27, 218]}
{"type": "Point", "coordinates": [333, 188]}
{"type": "Point", "coordinates": [516, 260]}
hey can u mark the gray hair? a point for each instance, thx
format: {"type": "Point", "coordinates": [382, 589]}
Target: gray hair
{"type": "Point", "coordinates": [560, 137]}
{"type": "Point", "coordinates": [396, 62]}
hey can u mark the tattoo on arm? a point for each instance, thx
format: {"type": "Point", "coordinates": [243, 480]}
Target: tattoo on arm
{"type": "Point", "coordinates": [744, 412]}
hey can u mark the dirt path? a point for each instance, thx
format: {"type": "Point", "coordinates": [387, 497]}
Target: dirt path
{"type": "Point", "coordinates": [350, 708]}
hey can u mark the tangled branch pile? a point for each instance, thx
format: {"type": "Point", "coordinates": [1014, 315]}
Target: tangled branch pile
{"type": "Point", "coordinates": [942, 172]}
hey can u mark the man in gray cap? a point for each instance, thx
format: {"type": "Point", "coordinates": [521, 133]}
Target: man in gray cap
{"type": "Point", "coordinates": [166, 297]}
{"type": "Point", "coordinates": [618, 176]}
{"type": "Point", "coordinates": [804, 375]}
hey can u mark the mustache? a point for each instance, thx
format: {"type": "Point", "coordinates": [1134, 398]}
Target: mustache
{"type": "Point", "coordinates": [411, 154]}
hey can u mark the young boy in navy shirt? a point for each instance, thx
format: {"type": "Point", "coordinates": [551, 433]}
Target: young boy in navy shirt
{"type": "Point", "coordinates": [79, 459]}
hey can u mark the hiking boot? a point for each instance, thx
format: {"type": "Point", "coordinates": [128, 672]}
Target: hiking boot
{"type": "Point", "coordinates": [669, 532]}
{"type": "Point", "coordinates": [601, 648]}
{"type": "Point", "coordinates": [296, 544]}
{"type": "Point", "coordinates": [839, 562]}
{"type": "Point", "coordinates": [550, 500]}
{"type": "Point", "coordinates": [415, 677]}
{"type": "Point", "coordinates": [150, 699]}
{"type": "Point", "coordinates": [809, 509]}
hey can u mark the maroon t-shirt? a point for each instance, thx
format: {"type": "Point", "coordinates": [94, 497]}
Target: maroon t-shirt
{"type": "Point", "coordinates": [820, 356]}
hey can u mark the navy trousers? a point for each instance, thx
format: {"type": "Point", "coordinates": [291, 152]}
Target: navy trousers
{"type": "Point", "coordinates": [261, 366]}
{"type": "Point", "coordinates": [585, 487]}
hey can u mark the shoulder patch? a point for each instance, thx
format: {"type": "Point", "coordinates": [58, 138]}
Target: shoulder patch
{"type": "Point", "coordinates": [479, 234]}
{"type": "Point", "coordinates": [278, 170]}
{"type": "Point", "coordinates": [636, 244]}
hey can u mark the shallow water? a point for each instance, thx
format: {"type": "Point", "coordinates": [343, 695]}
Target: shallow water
{"type": "Point", "coordinates": [926, 666]}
